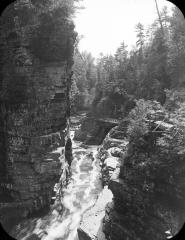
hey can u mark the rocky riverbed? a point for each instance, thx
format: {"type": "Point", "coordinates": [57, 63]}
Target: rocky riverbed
{"type": "Point", "coordinates": [80, 209]}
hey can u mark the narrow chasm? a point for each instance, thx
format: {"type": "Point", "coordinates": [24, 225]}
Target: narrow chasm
{"type": "Point", "coordinates": [82, 195]}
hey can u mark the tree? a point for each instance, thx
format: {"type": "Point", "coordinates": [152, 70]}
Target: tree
{"type": "Point", "coordinates": [90, 70]}
{"type": "Point", "coordinates": [160, 21]}
{"type": "Point", "coordinates": [140, 35]}
{"type": "Point", "coordinates": [176, 56]}
{"type": "Point", "coordinates": [84, 79]}
{"type": "Point", "coordinates": [121, 57]}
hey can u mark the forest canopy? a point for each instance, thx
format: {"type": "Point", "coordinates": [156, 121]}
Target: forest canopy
{"type": "Point", "coordinates": [154, 64]}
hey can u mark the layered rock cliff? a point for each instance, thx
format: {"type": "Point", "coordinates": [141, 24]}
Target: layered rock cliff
{"type": "Point", "coordinates": [36, 48]}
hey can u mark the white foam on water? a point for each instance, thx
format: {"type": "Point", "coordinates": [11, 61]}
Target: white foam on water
{"type": "Point", "coordinates": [77, 197]}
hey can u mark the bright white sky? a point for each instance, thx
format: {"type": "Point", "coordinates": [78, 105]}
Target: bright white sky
{"type": "Point", "coordinates": [104, 24]}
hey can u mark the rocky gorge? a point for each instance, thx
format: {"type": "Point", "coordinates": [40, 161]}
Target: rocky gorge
{"type": "Point", "coordinates": [112, 172]}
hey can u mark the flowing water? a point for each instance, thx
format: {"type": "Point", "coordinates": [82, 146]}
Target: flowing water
{"type": "Point", "coordinates": [81, 193]}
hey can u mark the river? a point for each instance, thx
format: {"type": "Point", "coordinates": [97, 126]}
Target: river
{"type": "Point", "coordinates": [80, 194]}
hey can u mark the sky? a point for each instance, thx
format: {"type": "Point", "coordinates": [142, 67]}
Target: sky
{"type": "Point", "coordinates": [104, 24]}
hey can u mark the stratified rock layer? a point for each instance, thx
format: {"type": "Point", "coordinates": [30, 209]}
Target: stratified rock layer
{"type": "Point", "coordinates": [34, 107]}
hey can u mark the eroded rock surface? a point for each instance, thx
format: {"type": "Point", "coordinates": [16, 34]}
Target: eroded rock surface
{"type": "Point", "coordinates": [111, 154]}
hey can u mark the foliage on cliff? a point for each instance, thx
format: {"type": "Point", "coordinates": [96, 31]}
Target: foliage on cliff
{"type": "Point", "coordinates": [53, 38]}
{"type": "Point", "coordinates": [33, 31]}
{"type": "Point", "coordinates": [153, 172]}
{"type": "Point", "coordinates": [141, 115]}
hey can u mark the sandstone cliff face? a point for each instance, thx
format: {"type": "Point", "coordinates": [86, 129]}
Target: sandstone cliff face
{"type": "Point", "coordinates": [34, 109]}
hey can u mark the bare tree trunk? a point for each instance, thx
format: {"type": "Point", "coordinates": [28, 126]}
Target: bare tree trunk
{"type": "Point", "coordinates": [160, 21]}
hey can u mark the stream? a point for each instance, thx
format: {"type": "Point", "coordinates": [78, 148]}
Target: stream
{"type": "Point", "coordinates": [80, 194]}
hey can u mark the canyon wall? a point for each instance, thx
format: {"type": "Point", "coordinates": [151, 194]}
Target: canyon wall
{"type": "Point", "coordinates": [36, 48]}
{"type": "Point", "coordinates": [145, 175]}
